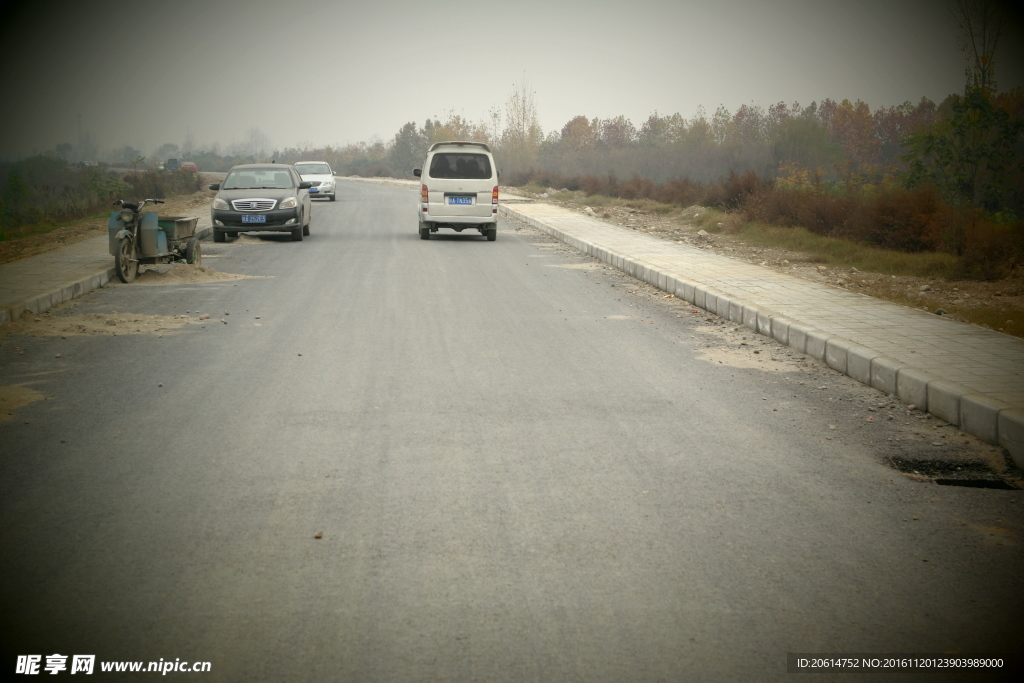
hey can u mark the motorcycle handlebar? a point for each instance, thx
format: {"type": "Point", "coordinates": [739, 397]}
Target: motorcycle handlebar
{"type": "Point", "coordinates": [120, 202]}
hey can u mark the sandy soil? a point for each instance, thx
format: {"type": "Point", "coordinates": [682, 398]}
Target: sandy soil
{"type": "Point", "coordinates": [183, 273]}
{"type": "Point", "coordinates": [54, 324]}
{"type": "Point", "coordinates": [16, 396]}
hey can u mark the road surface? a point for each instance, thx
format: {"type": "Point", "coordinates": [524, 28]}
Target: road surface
{"type": "Point", "coordinates": [521, 465]}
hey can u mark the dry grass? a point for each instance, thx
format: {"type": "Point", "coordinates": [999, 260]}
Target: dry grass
{"type": "Point", "coordinates": [847, 254]}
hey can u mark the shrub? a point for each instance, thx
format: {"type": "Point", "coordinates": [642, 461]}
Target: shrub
{"type": "Point", "coordinates": [903, 220]}
{"type": "Point", "coordinates": [990, 249]}
{"type": "Point", "coordinates": [684, 192]}
{"type": "Point", "coordinates": [738, 188]}
{"type": "Point", "coordinates": [160, 184]}
{"type": "Point", "coordinates": [591, 184]}
{"type": "Point", "coordinates": [637, 188]}
{"type": "Point", "coordinates": [894, 219]}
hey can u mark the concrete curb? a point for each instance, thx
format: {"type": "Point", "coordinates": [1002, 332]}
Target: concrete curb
{"type": "Point", "coordinates": [988, 419]}
{"type": "Point", "coordinates": [71, 290]}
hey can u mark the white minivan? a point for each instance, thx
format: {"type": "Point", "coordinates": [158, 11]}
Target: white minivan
{"type": "Point", "coordinates": [459, 189]}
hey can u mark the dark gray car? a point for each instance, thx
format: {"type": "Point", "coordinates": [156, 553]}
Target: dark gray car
{"type": "Point", "coordinates": [261, 197]}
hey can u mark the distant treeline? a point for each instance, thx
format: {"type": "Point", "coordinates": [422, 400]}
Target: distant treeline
{"type": "Point", "coordinates": [914, 177]}
{"type": "Point", "coordinates": [969, 149]}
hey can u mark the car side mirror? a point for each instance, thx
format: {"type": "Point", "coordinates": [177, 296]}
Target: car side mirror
{"type": "Point", "coordinates": [417, 172]}
{"type": "Point", "coordinates": [215, 186]}
{"type": "Point", "coordinates": [305, 185]}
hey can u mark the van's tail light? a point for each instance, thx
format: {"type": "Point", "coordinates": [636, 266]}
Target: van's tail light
{"type": "Point", "coordinates": [424, 197]}
{"type": "Point", "coordinates": [494, 200]}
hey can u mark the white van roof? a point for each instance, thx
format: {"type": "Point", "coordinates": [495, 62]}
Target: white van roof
{"type": "Point", "coordinates": [459, 143]}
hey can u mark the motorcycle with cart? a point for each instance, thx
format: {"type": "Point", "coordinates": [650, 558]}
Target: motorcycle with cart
{"type": "Point", "coordinates": [136, 238]}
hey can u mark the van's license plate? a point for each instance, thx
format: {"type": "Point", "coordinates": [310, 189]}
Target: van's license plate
{"type": "Point", "coordinates": [460, 200]}
{"type": "Point", "coordinates": [254, 219]}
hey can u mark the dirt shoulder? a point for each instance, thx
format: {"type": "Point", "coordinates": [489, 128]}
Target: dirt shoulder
{"type": "Point", "coordinates": [995, 305]}
{"type": "Point", "coordinates": [197, 203]}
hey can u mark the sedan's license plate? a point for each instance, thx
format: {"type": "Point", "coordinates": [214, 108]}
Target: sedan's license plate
{"type": "Point", "coordinates": [313, 190]}
{"type": "Point", "coordinates": [460, 200]}
{"type": "Point", "coordinates": [254, 219]}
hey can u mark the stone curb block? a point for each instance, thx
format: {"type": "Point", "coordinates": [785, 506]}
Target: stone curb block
{"type": "Point", "coordinates": [698, 297]}
{"type": "Point", "coordinates": [883, 373]}
{"type": "Point", "coordinates": [798, 336]}
{"type": "Point", "coordinates": [764, 323]}
{"type": "Point", "coordinates": [750, 317]}
{"type": "Point", "coordinates": [736, 312]}
{"type": "Point", "coordinates": [780, 329]}
{"type": "Point", "coordinates": [710, 300]}
{"type": "Point", "coordinates": [721, 304]}
{"type": "Point", "coordinates": [817, 341]}
{"type": "Point", "coordinates": [912, 386]}
{"type": "Point", "coordinates": [944, 400]}
{"type": "Point", "coordinates": [662, 281]}
{"type": "Point", "coordinates": [1011, 434]}
{"type": "Point", "coordinates": [688, 291]}
{"type": "Point", "coordinates": [979, 415]}
{"type": "Point", "coordinates": [858, 363]}
{"type": "Point", "coordinates": [835, 353]}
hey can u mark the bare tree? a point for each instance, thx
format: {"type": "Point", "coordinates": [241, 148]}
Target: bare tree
{"type": "Point", "coordinates": [188, 146]}
{"type": "Point", "coordinates": [981, 25]}
{"type": "Point", "coordinates": [257, 143]}
{"type": "Point", "coordinates": [493, 125]}
{"type": "Point", "coordinates": [522, 135]}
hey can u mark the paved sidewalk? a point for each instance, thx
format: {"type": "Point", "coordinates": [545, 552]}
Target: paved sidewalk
{"type": "Point", "coordinates": [38, 283]}
{"type": "Point", "coordinates": [967, 375]}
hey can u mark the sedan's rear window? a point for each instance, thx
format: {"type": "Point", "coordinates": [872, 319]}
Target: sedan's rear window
{"type": "Point", "coordinates": [254, 179]}
{"type": "Point", "coordinates": [313, 169]}
{"type": "Point", "coordinates": [460, 166]}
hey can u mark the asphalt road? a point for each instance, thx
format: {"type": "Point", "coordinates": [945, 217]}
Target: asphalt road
{"type": "Point", "coordinates": [524, 466]}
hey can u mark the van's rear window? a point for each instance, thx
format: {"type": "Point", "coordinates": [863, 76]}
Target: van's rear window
{"type": "Point", "coordinates": [460, 166]}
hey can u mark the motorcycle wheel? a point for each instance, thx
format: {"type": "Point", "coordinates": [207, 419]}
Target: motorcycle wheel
{"type": "Point", "coordinates": [125, 263]}
{"type": "Point", "coordinates": [193, 253]}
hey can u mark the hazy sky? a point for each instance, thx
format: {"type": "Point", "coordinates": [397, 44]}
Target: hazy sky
{"type": "Point", "coordinates": [144, 72]}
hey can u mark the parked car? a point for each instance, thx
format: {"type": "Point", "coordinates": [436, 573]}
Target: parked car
{"type": "Point", "coordinates": [459, 189]}
{"type": "Point", "coordinates": [261, 197]}
{"type": "Point", "coordinates": [320, 176]}
{"type": "Point", "coordinates": [189, 166]}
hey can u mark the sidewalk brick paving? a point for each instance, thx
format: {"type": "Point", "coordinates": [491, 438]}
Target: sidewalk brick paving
{"type": "Point", "coordinates": [40, 282]}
